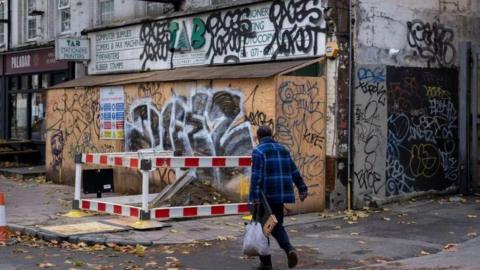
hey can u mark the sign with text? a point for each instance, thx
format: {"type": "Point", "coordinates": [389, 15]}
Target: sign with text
{"type": "Point", "coordinates": [112, 112]}
{"type": "Point", "coordinates": [260, 32]}
{"type": "Point", "coordinates": [37, 60]}
{"type": "Point", "coordinates": [74, 49]}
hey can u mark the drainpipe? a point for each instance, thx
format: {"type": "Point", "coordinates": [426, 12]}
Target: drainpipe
{"type": "Point", "coordinates": [350, 108]}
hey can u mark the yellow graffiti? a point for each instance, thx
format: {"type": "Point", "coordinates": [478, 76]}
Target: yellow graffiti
{"type": "Point", "coordinates": [436, 92]}
{"type": "Point", "coordinates": [425, 160]}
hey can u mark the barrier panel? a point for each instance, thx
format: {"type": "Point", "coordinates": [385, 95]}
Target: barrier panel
{"type": "Point", "coordinates": [145, 162]}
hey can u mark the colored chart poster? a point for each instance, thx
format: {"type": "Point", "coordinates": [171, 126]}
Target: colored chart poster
{"type": "Point", "coordinates": [112, 113]}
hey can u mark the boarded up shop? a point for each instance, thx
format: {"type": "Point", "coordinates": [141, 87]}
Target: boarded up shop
{"type": "Point", "coordinates": [206, 96]}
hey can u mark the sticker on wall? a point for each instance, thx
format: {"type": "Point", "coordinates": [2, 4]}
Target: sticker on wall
{"type": "Point", "coordinates": [112, 112]}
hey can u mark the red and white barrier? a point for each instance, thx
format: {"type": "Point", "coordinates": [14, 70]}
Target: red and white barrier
{"type": "Point", "coordinates": [165, 161]}
{"type": "Point", "coordinates": [110, 208]}
{"type": "Point", "coordinates": [200, 211]}
{"type": "Point", "coordinates": [3, 220]}
{"type": "Point", "coordinates": [147, 161]}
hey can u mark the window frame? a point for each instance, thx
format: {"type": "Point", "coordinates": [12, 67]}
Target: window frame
{"type": "Point", "coordinates": [101, 15]}
{"type": "Point", "coordinates": [61, 10]}
{"type": "Point", "coordinates": [3, 5]}
{"type": "Point", "coordinates": [28, 20]}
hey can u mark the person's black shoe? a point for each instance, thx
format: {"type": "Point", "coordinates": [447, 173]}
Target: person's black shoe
{"type": "Point", "coordinates": [292, 259]}
{"type": "Point", "coordinates": [262, 267]}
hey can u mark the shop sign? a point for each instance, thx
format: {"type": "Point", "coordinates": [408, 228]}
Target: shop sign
{"type": "Point", "coordinates": [259, 32]}
{"type": "Point", "coordinates": [75, 49]}
{"type": "Point", "coordinates": [33, 61]}
{"type": "Point", "coordinates": [112, 112]}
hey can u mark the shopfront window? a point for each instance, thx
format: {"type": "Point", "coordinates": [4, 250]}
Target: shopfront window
{"type": "Point", "coordinates": [38, 116]}
{"type": "Point", "coordinates": [27, 103]}
{"type": "Point", "coordinates": [18, 119]}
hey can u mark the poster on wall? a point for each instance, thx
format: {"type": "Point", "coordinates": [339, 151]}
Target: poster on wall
{"type": "Point", "coordinates": [112, 113]}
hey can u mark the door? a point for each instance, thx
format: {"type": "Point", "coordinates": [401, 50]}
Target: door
{"type": "Point", "coordinates": [469, 118]}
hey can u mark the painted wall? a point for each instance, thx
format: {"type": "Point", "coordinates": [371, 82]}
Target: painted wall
{"type": "Point", "coordinates": [217, 117]}
{"type": "Point", "coordinates": [405, 95]}
{"type": "Point", "coordinates": [414, 33]}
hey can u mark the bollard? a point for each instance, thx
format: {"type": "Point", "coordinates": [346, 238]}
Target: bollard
{"type": "Point", "coordinates": [3, 220]}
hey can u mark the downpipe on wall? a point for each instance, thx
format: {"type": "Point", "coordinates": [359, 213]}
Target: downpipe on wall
{"type": "Point", "coordinates": [350, 110]}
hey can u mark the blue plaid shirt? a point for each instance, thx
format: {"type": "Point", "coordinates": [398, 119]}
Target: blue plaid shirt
{"type": "Point", "coordinates": [274, 173]}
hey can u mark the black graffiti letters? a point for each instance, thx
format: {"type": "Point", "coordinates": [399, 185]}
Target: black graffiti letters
{"type": "Point", "coordinates": [370, 111]}
{"type": "Point", "coordinates": [290, 36]}
{"type": "Point", "coordinates": [433, 42]}
{"type": "Point", "coordinates": [259, 118]}
{"type": "Point", "coordinates": [228, 33]}
{"type": "Point", "coordinates": [156, 39]}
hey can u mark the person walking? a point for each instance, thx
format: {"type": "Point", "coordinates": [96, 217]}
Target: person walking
{"type": "Point", "coordinates": [274, 173]}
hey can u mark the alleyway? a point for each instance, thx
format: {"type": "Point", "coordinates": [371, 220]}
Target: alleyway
{"type": "Point", "coordinates": [431, 232]}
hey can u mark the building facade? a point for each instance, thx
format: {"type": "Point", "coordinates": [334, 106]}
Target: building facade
{"type": "Point", "coordinates": [394, 123]}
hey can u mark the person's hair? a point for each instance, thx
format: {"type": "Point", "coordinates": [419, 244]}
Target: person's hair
{"type": "Point", "coordinates": [264, 131]}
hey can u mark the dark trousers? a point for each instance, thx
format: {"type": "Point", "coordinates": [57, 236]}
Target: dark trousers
{"type": "Point", "coordinates": [278, 233]}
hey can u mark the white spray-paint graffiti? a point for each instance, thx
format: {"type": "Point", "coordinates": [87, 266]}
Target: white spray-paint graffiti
{"type": "Point", "coordinates": [208, 122]}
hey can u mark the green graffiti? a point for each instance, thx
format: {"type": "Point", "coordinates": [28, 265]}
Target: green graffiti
{"type": "Point", "coordinates": [173, 28]}
{"type": "Point", "coordinates": [198, 32]}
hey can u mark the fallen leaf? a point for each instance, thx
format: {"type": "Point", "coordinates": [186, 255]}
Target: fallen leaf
{"type": "Point", "coordinates": [450, 247]}
{"type": "Point", "coordinates": [78, 263]}
{"type": "Point", "coordinates": [361, 242]}
{"type": "Point", "coordinates": [338, 227]}
{"type": "Point", "coordinates": [151, 264]}
{"type": "Point", "coordinates": [354, 233]}
{"type": "Point", "coordinates": [28, 257]}
{"type": "Point", "coordinates": [45, 265]}
{"type": "Point", "coordinates": [139, 250]}
{"type": "Point", "coordinates": [386, 218]}
{"type": "Point", "coordinates": [173, 231]}
{"type": "Point", "coordinates": [293, 219]}
{"type": "Point", "coordinates": [293, 231]}
{"type": "Point", "coordinates": [424, 253]}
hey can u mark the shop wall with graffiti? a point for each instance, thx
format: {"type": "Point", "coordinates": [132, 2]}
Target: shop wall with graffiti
{"type": "Point", "coordinates": [406, 131]}
{"type": "Point", "coordinates": [217, 117]}
{"type": "Point", "coordinates": [259, 32]}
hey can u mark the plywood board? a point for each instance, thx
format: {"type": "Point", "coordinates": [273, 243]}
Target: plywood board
{"type": "Point", "coordinates": [83, 228]}
{"type": "Point", "coordinates": [300, 126]}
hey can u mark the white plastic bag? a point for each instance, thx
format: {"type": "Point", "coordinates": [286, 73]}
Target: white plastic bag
{"type": "Point", "coordinates": [255, 243]}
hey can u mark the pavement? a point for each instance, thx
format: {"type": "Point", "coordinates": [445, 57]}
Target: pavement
{"type": "Point", "coordinates": [428, 233]}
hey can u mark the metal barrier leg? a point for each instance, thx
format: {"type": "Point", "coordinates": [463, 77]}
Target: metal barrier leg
{"type": "Point", "coordinates": [78, 181]}
{"type": "Point", "coordinates": [145, 213]}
